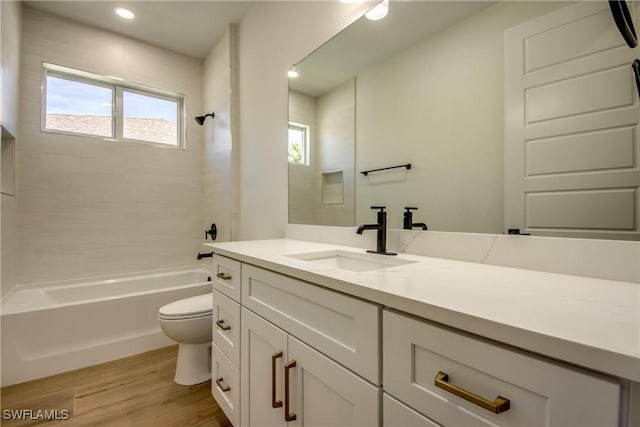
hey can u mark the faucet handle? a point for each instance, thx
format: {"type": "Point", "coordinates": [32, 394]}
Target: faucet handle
{"type": "Point", "coordinates": [409, 209]}
{"type": "Point", "coordinates": [382, 208]}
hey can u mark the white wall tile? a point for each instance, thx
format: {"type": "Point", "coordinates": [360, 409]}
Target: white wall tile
{"type": "Point", "coordinates": [218, 202]}
{"type": "Point", "coordinates": [87, 206]}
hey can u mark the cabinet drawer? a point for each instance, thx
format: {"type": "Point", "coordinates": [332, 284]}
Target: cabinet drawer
{"type": "Point", "coordinates": [226, 278]}
{"type": "Point", "coordinates": [344, 328]}
{"type": "Point", "coordinates": [225, 385]}
{"type": "Point", "coordinates": [539, 392]}
{"type": "Point", "coordinates": [397, 414]}
{"type": "Point", "coordinates": [226, 326]}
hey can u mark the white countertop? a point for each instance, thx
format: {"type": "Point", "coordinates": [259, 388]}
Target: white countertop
{"type": "Point", "coordinates": [589, 322]}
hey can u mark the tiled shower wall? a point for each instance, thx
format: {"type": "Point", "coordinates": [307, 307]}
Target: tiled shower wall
{"type": "Point", "coordinates": [88, 206]}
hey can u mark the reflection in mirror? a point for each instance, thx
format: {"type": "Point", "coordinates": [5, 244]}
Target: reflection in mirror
{"type": "Point", "coordinates": [428, 83]}
{"type": "Point", "coordinates": [321, 156]}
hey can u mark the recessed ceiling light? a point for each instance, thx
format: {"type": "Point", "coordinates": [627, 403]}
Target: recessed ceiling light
{"type": "Point", "coordinates": [379, 11]}
{"type": "Point", "coordinates": [124, 13]}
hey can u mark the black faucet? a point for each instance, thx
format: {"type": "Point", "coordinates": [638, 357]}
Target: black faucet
{"type": "Point", "coordinates": [381, 227]}
{"type": "Point", "coordinates": [408, 223]}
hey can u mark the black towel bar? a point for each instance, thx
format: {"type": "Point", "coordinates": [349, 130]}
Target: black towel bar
{"type": "Point", "coordinates": [365, 173]}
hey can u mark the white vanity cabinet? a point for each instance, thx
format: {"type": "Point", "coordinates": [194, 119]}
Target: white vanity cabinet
{"type": "Point", "coordinates": [286, 382]}
{"type": "Point", "coordinates": [286, 352]}
{"type": "Point", "coordinates": [225, 347]}
{"type": "Point", "coordinates": [315, 351]}
{"type": "Point", "coordinates": [454, 379]}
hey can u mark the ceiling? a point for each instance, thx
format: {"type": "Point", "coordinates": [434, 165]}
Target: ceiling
{"type": "Point", "coordinates": [366, 42]}
{"type": "Point", "coordinates": [194, 27]}
{"type": "Point", "coordinates": [188, 27]}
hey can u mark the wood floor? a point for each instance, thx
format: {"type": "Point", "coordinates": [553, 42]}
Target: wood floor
{"type": "Point", "coordinates": [135, 391]}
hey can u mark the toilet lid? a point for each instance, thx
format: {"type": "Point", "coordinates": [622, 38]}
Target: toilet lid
{"type": "Point", "coordinates": [189, 307]}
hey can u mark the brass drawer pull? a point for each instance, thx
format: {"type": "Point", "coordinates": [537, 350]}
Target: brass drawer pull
{"type": "Point", "coordinates": [497, 406]}
{"type": "Point", "coordinates": [274, 403]}
{"type": "Point", "coordinates": [222, 326]}
{"type": "Point", "coordinates": [288, 416]}
{"type": "Point", "coordinates": [223, 387]}
{"type": "Point", "coordinates": [223, 276]}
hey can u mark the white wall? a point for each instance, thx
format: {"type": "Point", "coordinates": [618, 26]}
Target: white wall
{"type": "Point", "coordinates": [88, 206]}
{"type": "Point", "coordinates": [440, 106]}
{"type": "Point", "coordinates": [10, 40]}
{"type": "Point", "coordinates": [220, 154]}
{"type": "Point", "coordinates": [272, 37]}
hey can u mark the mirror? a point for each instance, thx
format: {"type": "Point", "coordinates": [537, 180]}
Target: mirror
{"type": "Point", "coordinates": [426, 87]}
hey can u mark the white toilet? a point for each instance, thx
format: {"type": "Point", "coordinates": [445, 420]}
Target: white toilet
{"type": "Point", "coordinates": [188, 322]}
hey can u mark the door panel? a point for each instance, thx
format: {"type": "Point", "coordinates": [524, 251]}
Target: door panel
{"type": "Point", "coordinates": [572, 126]}
{"type": "Point", "coordinates": [261, 341]}
{"type": "Point", "coordinates": [324, 393]}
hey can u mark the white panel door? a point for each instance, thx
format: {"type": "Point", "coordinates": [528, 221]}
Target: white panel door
{"type": "Point", "coordinates": [572, 126]}
{"type": "Point", "coordinates": [323, 393]}
{"type": "Point", "coordinates": [264, 351]}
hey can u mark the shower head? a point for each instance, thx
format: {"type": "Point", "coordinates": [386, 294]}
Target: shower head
{"type": "Point", "coordinates": [200, 119]}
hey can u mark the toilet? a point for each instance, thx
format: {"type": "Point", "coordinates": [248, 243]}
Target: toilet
{"type": "Point", "coordinates": [188, 322]}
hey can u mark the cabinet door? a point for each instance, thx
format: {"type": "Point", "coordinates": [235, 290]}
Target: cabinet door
{"type": "Point", "coordinates": [263, 353]}
{"type": "Point", "coordinates": [323, 393]}
{"type": "Point", "coordinates": [397, 414]}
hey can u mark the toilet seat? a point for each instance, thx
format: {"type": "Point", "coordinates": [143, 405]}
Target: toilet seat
{"type": "Point", "coordinates": [188, 308]}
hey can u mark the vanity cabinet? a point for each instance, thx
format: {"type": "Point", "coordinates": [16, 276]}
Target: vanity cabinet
{"type": "Point", "coordinates": [225, 347]}
{"type": "Point", "coordinates": [286, 382]}
{"type": "Point", "coordinates": [455, 379]}
{"type": "Point", "coordinates": [311, 355]}
{"type": "Point", "coordinates": [286, 352]}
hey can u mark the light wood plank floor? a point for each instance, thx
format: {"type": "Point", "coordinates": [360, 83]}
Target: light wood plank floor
{"type": "Point", "coordinates": [134, 391]}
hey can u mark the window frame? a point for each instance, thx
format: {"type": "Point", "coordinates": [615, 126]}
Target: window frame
{"type": "Point", "coordinates": [306, 149]}
{"type": "Point", "coordinates": [118, 86]}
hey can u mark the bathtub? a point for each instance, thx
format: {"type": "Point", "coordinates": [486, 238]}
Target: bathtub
{"type": "Point", "coordinates": [53, 327]}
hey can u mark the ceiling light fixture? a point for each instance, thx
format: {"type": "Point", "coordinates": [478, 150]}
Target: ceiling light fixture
{"type": "Point", "coordinates": [124, 13]}
{"type": "Point", "coordinates": [379, 11]}
{"type": "Point", "coordinates": [292, 73]}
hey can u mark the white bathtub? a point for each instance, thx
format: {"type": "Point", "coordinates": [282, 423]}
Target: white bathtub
{"type": "Point", "coordinates": [53, 327]}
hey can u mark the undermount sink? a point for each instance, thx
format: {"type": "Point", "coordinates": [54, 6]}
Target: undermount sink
{"type": "Point", "coordinates": [351, 261]}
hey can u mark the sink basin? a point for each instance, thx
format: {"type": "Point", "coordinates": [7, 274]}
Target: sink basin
{"type": "Point", "coordinates": [351, 261]}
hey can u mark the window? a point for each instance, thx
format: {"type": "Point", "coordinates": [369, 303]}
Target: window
{"type": "Point", "coordinates": [79, 107]}
{"type": "Point", "coordinates": [78, 102]}
{"type": "Point", "coordinates": [298, 143]}
{"type": "Point", "coordinates": [149, 118]}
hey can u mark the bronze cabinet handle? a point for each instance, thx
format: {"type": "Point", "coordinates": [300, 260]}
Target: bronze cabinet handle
{"type": "Point", "coordinates": [274, 403]}
{"type": "Point", "coordinates": [223, 276]}
{"type": "Point", "coordinates": [222, 326]}
{"type": "Point", "coordinates": [499, 405]}
{"type": "Point", "coordinates": [223, 387]}
{"type": "Point", "coordinates": [288, 416]}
